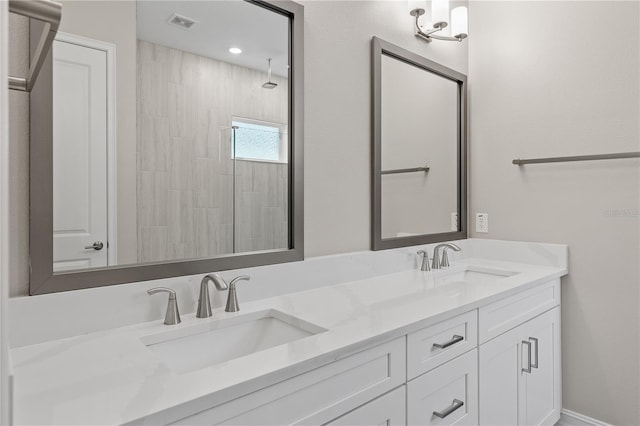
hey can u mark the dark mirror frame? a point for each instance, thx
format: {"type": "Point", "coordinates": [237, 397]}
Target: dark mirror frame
{"type": "Point", "coordinates": [380, 48]}
{"type": "Point", "coordinates": [42, 278]}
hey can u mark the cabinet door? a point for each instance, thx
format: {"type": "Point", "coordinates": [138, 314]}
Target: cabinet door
{"type": "Point", "coordinates": [520, 378]}
{"type": "Point", "coordinates": [500, 368]}
{"type": "Point", "coordinates": [542, 387]}
{"type": "Point", "coordinates": [447, 395]}
{"type": "Point", "coordinates": [388, 410]}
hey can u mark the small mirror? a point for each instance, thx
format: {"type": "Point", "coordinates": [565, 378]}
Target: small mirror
{"type": "Point", "coordinates": [166, 140]}
{"type": "Point", "coordinates": [419, 150]}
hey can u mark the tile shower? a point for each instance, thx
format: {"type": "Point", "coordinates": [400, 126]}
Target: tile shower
{"type": "Point", "coordinates": [193, 198]}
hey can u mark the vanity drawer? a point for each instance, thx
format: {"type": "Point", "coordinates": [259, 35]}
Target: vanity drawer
{"type": "Point", "coordinates": [389, 410]}
{"type": "Point", "coordinates": [435, 345]}
{"type": "Point", "coordinates": [317, 396]}
{"type": "Point", "coordinates": [508, 313]}
{"type": "Point", "coordinates": [450, 390]}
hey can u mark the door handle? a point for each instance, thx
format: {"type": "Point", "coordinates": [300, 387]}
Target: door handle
{"type": "Point", "coordinates": [535, 340]}
{"type": "Point", "coordinates": [96, 246]}
{"type": "Point", "coordinates": [528, 343]}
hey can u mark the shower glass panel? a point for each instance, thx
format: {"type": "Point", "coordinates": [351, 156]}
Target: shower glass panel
{"type": "Point", "coordinates": [256, 186]}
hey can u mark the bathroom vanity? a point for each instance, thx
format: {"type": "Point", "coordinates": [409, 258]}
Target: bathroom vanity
{"type": "Point", "coordinates": [476, 343]}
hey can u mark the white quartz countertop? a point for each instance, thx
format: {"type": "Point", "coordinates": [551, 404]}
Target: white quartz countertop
{"type": "Point", "coordinates": [111, 377]}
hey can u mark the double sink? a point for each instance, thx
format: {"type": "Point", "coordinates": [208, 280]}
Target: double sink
{"type": "Point", "coordinates": [187, 349]}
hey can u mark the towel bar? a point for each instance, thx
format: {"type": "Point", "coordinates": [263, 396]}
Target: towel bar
{"type": "Point", "coordinates": [521, 162]}
{"type": "Point", "coordinates": [411, 170]}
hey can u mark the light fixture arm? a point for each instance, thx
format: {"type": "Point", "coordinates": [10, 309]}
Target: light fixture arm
{"type": "Point", "coordinates": [429, 35]}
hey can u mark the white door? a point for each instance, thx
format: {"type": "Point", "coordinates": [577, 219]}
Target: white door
{"type": "Point", "coordinates": [79, 157]}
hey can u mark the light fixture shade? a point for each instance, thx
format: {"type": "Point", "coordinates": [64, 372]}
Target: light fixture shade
{"type": "Point", "coordinates": [440, 13]}
{"type": "Point", "coordinates": [459, 22]}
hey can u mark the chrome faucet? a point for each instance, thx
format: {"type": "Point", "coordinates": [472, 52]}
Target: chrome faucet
{"type": "Point", "coordinates": [425, 260]}
{"type": "Point", "coordinates": [204, 304]}
{"type": "Point", "coordinates": [172, 317]}
{"type": "Point", "coordinates": [444, 262]}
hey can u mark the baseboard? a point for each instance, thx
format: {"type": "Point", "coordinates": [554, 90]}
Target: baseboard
{"type": "Point", "coordinates": [571, 418]}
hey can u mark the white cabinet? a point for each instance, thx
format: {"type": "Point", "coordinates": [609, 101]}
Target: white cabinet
{"type": "Point", "coordinates": [520, 378]}
{"type": "Point", "coordinates": [447, 395]}
{"type": "Point", "coordinates": [437, 375]}
{"type": "Point", "coordinates": [388, 410]}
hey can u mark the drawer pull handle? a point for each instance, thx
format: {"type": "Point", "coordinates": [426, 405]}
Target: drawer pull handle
{"type": "Point", "coordinates": [455, 339]}
{"type": "Point", "coordinates": [528, 343]}
{"type": "Point", "coordinates": [450, 409]}
{"type": "Point", "coordinates": [535, 340]}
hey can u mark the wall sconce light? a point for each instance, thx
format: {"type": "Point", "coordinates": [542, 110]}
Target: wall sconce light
{"type": "Point", "coordinates": [440, 20]}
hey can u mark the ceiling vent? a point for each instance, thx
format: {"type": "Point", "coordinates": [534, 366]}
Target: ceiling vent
{"type": "Point", "coordinates": [182, 22]}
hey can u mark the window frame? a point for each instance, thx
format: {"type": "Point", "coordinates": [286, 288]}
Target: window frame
{"type": "Point", "coordinates": [283, 149]}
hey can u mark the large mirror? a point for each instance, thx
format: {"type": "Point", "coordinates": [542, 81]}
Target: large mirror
{"type": "Point", "coordinates": [419, 149]}
{"type": "Point", "coordinates": [166, 139]}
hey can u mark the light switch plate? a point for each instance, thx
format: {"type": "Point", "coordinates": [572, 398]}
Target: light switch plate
{"type": "Point", "coordinates": [454, 221]}
{"type": "Point", "coordinates": [482, 223]}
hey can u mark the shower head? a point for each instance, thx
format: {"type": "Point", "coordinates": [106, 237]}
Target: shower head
{"type": "Point", "coordinates": [269, 84]}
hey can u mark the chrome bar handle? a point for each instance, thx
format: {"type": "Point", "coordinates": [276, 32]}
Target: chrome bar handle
{"type": "Point", "coordinates": [528, 343]}
{"type": "Point", "coordinates": [450, 409]}
{"type": "Point", "coordinates": [535, 340]}
{"type": "Point", "coordinates": [455, 339]}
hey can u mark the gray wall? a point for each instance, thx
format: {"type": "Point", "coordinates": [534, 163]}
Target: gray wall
{"type": "Point", "coordinates": [543, 84]}
{"type": "Point", "coordinates": [185, 171]}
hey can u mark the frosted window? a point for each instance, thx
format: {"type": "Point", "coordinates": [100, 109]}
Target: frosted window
{"type": "Point", "coordinates": [257, 141]}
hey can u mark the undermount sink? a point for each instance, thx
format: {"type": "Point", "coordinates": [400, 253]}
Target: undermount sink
{"type": "Point", "coordinates": [214, 342]}
{"type": "Point", "coordinates": [475, 276]}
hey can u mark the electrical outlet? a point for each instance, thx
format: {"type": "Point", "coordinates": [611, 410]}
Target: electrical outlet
{"type": "Point", "coordinates": [454, 221]}
{"type": "Point", "coordinates": [482, 223]}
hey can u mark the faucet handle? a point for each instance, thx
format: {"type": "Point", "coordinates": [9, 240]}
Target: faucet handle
{"type": "Point", "coordinates": [172, 316]}
{"type": "Point", "coordinates": [232, 298]}
{"type": "Point", "coordinates": [425, 260]}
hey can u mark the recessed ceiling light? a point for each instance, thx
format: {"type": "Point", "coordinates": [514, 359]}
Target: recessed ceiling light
{"type": "Point", "coordinates": [235, 50]}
